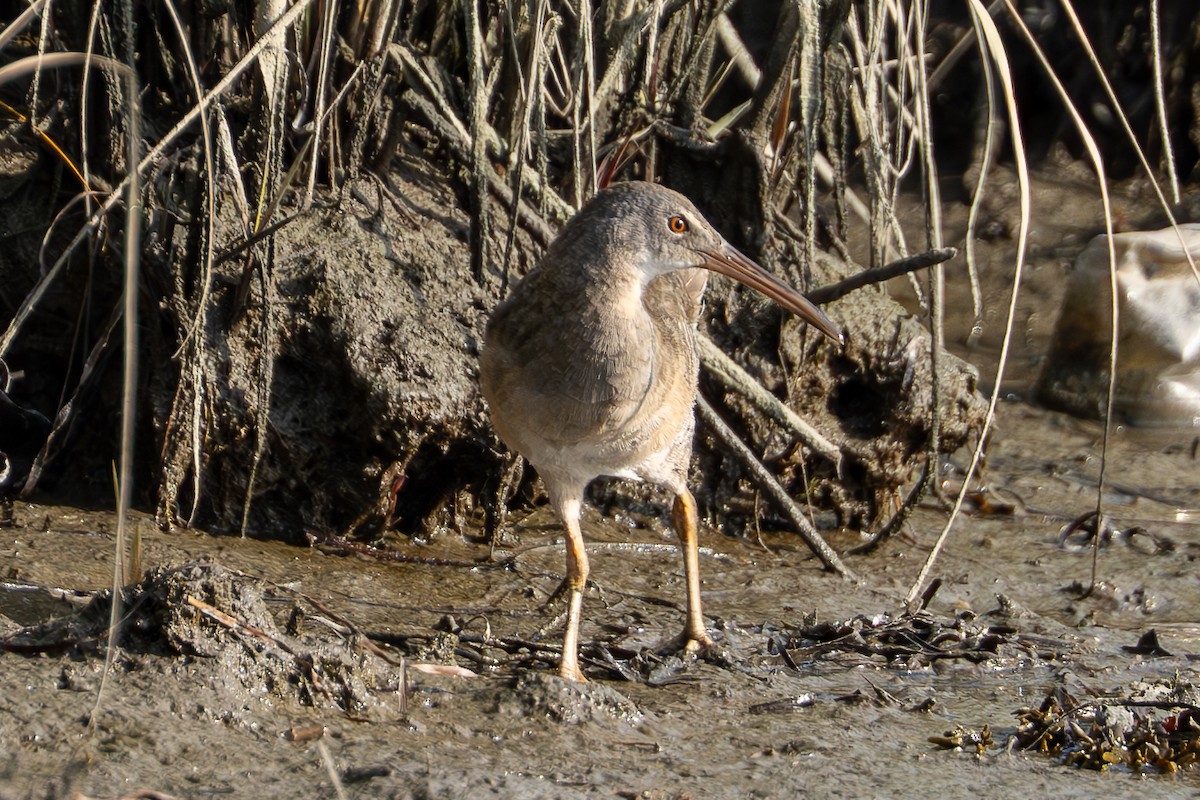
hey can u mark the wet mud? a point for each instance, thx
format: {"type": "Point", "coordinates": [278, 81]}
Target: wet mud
{"type": "Point", "coordinates": [248, 668]}
{"type": "Point", "coordinates": [251, 667]}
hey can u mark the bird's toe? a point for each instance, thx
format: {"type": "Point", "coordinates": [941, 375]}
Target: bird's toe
{"type": "Point", "coordinates": [688, 645]}
{"type": "Point", "coordinates": [696, 646]}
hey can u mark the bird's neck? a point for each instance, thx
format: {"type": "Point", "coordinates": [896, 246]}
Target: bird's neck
{"type": "Point", "coordinates": [619, 296]}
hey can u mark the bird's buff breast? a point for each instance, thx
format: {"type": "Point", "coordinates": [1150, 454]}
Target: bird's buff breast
{"type": "Point", "coordinates": [611, 408]}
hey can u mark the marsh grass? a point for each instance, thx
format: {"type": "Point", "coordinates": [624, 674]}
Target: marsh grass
{"type": "Point", "coordinates": [254, 110]}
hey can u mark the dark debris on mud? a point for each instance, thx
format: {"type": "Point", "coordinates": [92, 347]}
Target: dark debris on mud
{"type": "Point", "coordinates": [1150, 725]}
{"type": "Point", "coordinates": [915, 641]}
{"type": "Point", "coordinates": [270, 637]}
{"type": "Point", "coordinates": [243, 643]}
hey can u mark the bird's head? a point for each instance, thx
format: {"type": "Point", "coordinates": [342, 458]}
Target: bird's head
{"type": "Point", "coordinates": [658, 230]}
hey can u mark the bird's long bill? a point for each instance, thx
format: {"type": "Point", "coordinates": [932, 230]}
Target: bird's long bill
{"type": "Point", "coordinates": [729, 262]}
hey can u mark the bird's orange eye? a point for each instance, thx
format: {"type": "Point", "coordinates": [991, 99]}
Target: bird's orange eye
{"type": "Point", "coordinates": [677, 225]}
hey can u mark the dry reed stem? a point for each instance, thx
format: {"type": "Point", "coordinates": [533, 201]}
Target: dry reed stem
{"type": "Point", "coordinates": [991, 46]}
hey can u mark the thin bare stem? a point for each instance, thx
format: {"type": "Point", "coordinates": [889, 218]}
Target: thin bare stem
{"type": "Point", "coordinates": [1160, 102]}
{"type": "Point", "coordinates": [1098, 164]}
{"type": "Point", "coordinates": [126, 564]}
{"type": "Point", "coordinates": [726, 370]}
{"type": "Point", "coordinates": [1129, 134]}
{"type": "Point", "coordinates": [14, 28]}
{"type": "Point", "coordinates": [331, 769]}
{"type": "Point", "coordinates": [985, 164]}
{"type": "Point", "coordinates": [93, 222]}
{"type": "Point", "coordinates": [767, 483]}
{"type": "Point", "coordinates": [210, 193]}
{"type": "Point", "coordinates": [991, 46]}
{"type": "Point", "coordinates": [933, 233]}
{"type": "Point", "coordinates": [328, 35]}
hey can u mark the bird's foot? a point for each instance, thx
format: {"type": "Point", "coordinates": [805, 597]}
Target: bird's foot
{"type": "Point", "coordinates": [674, 656]}
{"type": "Point", "coordinates": [690, 646]}
{"type": "Point", "coordinates": [696, 647]}
{"type": "Point", "coordinates": [572, 674]}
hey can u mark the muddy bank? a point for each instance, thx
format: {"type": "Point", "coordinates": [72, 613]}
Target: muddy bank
{"type": "Point", "coordinates": [294, 668]}
{"type": "Point", "coordinates": [282, 378]}
{"type": "Point", "coordinates": [230, 712]}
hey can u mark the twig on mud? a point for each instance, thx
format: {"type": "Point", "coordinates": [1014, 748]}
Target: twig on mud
{"type": "Point", "coordinates": [306, 665]}
{"type": "Point", "coordinates": [509, 644]}
{"type": "Point", "coordinates": [343, 626]}
{"type": "Point", "coordinates": [352, 628]}
{"type": "Point", "coordinates": [626, 547]}
{"type": "Point", "coordinates": [902, 266]}
{"type": "Point", "coordinates": [54, 649]}
{"type": "Point", "coordinates": [452, 670]}
{"type": "Point", "coordinates": [256, 237]}
{"type": "Point", "coordinates": [765, 481]}
{"type": "Point", "coordinates": [137, 794]}
{"type": "Point", "coordinates": [237, 626]}
{"type": "Point", "coordinates": [900, 517]}
{"type": "Point", "coordinates": [730, 373]}
{"type": "Point", "coordinates": [331, 769]}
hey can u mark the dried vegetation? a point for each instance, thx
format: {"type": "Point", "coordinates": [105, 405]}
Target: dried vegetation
{"type": "Point", "coordinates": [334, 197]}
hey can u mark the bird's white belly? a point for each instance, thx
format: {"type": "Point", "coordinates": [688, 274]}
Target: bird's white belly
{"type": "Point", "coordinates": [648, 452]}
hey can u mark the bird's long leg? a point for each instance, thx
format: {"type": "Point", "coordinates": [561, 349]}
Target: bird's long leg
{"type": "Point", "coordinates": [684, 517]}
{"type": "Point", "coordinates": [577, 575]}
